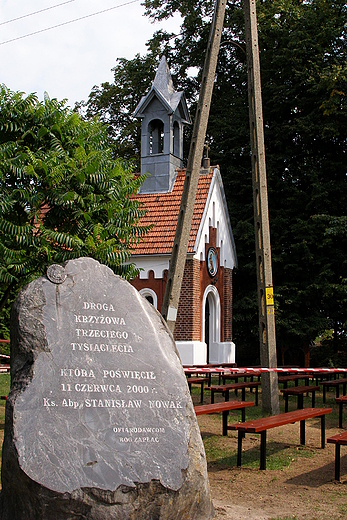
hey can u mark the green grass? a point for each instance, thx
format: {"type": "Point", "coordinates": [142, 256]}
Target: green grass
{"type": "Point", "coordinates": [5, 381]}
{"type": "Point", "coordinates": [278, 455]}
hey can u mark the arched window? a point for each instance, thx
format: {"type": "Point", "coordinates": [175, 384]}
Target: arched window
{"type": "Point", "coordinates": [150, 295]}
{"type": "Point", "coordinates": [176, 139]}
{"type": "Point", "coordinates": [156, 136]}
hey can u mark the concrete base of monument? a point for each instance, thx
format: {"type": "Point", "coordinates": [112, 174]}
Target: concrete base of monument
{"type": "Point", "coordinates": [195, 352]}
{"type": "Point", "coordinates": [222, 352]}
{"type": "Point", "coordinates": [99, 420]}
{"type": "Point", "coordinates": [192, 352]}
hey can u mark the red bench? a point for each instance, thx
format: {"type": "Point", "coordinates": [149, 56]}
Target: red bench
{"type": "Point", "coordinates": [293, 377]}
{"type": "Point", "coordinates": [263, 424]}
{"type": "Point", "coordinates": [341, 401]}
{"type": "Point", "coordinates": [224, 408]}
{"type": "Point", "coordinates": [336, 383]}
{"type": "Point", "coordinates": [339, 440]}
{"type": "Point", "coordinates": [299, 391]}
{"type": "Point", "coordinates": [198, 381]}
{"type": "Point", "coordinates": [238, 375]}
{"type": "Point", "coordinates": [225, 389]}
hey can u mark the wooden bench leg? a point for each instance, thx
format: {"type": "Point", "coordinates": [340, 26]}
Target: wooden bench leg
{"type": "Point", "coordinates": [202, 392]}
{"type": "Point", "coordinates": [243, 414]}
{"type": "Point", "coordinates": [256, 396]}
{"type": "Point", "coordinates": [226, 395]}
{"type": "Point", "coordinates": [337, 461]}
{"type": "Point", "coordinates": [302, 432]}
{"type": "Point", "coordinates": [225, 423]}
{"type": "Point", "coordinates": [300, 402]}
{"type": "Point", "coordinates": [239, 448]}
{"type": "Point", "coordinates": [322, 428]}
{"type": "Point", "coordinates": [212, 397]}
{"type": "Point", "coordinates": [344, 388]}
{"type": "Point", "coordinates": [243, 394]}
{"type": "Point", "coordinates": [263, 450]}
{"type": "Point", "coordinates": [337, 390]}
{"type": "Point", "coordinates": [340, 414]}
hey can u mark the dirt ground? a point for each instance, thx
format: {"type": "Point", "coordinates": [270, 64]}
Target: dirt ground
{"type": "Point", "coordinates": [306, 489]}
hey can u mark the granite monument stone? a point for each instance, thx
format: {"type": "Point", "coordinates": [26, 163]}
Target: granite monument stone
{"type": "Point", "coordinates": [99, 419]}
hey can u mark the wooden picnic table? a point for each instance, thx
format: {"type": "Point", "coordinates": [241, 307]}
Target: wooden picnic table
{"type": "Point", "coordinates": [339, 440]}
{"type": "Point", "coordinates": [335, 383]}
{"type": "Point", "coordinates": [341, 401]}
{"type": "Point", "coordinates": [238, 375]}
{"type": "Point", "coordinates": [225, 389]}
{"type": "Point", "coordinates": [224, 408]}
{"type": "Point", "coordinates": [263, 424]}
{"type": "Point", "coordinates": [209, 370]}
{"type": "Point", "coordinates": [299, 391]}
{"type": "Point", "coordinates": [198, 380]}
{"type": "Point", "coordinates": [294, 377]}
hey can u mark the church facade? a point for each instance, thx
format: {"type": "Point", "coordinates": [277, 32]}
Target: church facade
{"type": "Point", "coordinates": [203, 331]}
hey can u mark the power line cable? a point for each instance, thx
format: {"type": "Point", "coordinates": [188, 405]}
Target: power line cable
{"type": "Point", "coordinates": [70, 21]}
{"type": "Point", "coordinates": [36, 12]}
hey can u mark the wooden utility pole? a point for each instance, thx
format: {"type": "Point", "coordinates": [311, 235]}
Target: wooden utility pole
{"type": "Point", "coordinates": [185, 216]}
{"type": "Point", "coordinates": [267, 333]}
{"type": "Point", "coordinates": [262, 230]}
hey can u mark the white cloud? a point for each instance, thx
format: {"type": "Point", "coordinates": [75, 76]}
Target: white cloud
{"type": "Point", "coordinates": [69, 60]}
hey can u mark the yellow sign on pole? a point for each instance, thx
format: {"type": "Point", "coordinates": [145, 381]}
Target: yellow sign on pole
{"type": "Point", "coordinates": [269, 292]}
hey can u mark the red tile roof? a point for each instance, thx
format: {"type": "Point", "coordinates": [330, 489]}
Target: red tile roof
{"type": "Point", "coordinates": [162, 213]}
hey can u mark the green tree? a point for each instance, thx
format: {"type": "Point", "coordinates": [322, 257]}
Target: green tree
{"type": "Point", "coordinates": [62, 195]}
{"type": "Point", "coordinates": [304, 85]}
{"type": "Point", "coordinates": [304, 52]}
{"type": "Point", "coordinates": [114, 103]}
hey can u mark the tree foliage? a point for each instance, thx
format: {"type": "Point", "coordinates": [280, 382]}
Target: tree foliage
{"type": "Point", "coordinates": [62, 195]}
{"type": "Point", "coordinates": [303, 51]}
{"type": "Point", "coordinates": [115, 103]}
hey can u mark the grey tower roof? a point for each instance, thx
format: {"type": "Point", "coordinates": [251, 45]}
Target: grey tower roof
{"type": "Point", "coordinates": [163, 88]}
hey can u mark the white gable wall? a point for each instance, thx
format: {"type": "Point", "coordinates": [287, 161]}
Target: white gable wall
{"type": "Point", "coordinates": [156, 263]}
{"type": "Point", "coordinates": [216, 215]}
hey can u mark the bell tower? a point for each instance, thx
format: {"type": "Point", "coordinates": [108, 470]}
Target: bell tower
{"type": "Point", "coordinates": [163, 112]}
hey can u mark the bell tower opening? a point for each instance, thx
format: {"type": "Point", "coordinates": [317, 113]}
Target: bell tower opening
{"type": "Point", "coordinates": [156, 137]}
{"type": "Point", "coordinates": [176, 139]}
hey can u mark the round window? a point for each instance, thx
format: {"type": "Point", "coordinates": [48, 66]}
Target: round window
{"type": "Point", "coordinates": [212, 261]}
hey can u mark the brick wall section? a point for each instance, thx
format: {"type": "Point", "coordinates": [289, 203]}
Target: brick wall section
{"type": "Point", "coordinates": [188, 324]}
{"type": "Point", "coordinates": [228, 305]}
{"type": "Point", "coordinates": [156, 284]}
{"type": "Point", "coordinates": [195, 280]}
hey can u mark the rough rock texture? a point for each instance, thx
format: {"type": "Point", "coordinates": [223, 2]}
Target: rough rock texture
{"type": "Point", "coordinates": [99, 420]}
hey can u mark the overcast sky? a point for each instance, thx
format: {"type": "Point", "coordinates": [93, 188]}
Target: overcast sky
{"type": "Point", "coordinates": [69, 60]}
